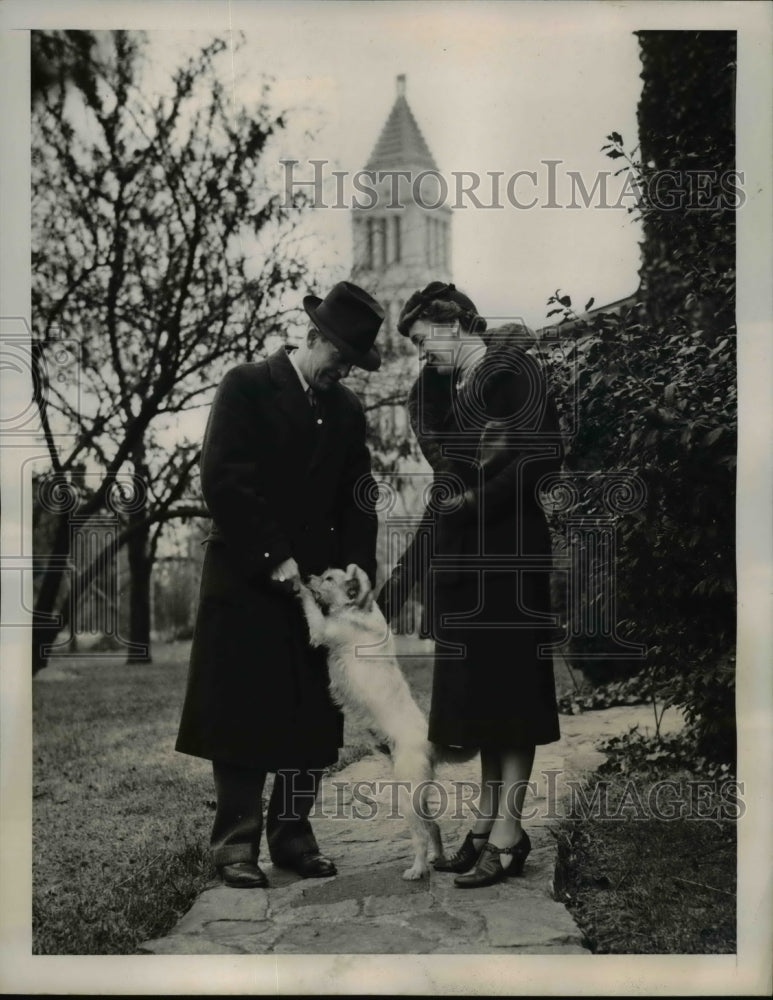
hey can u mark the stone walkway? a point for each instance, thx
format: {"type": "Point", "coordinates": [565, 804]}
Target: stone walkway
{"type": "Point", "coordinates": [369, 909]}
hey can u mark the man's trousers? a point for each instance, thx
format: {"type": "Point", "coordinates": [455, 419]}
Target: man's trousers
{"type": "Point", "coordinates": [238, 824]}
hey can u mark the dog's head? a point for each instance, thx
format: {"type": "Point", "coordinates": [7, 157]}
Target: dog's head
{"type": "Point", "coordinates": [336, 589]}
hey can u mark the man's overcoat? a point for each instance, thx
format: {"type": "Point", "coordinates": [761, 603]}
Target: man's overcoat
{"type": "Point", "coordinates": [277, 483]}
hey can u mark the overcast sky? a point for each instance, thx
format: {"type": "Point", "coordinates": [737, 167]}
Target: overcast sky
{"type": "Point", "coordinates": [494, 87]}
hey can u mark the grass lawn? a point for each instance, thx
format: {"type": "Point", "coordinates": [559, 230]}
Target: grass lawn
{"type": "Point", "coordinates": [649, 886]}
{"type": "Point", "coordinates": [121, 821]}
{"type": "Point", "coordinates": [121, 826]}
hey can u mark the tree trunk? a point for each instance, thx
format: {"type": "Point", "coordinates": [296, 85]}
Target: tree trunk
{"type": "Point", "coordinates": [140, 568]}
{"type": "Point", "coordinates": [44, 632]}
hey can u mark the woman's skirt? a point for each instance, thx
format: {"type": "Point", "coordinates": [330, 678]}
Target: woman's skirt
{"type": "Point", "coordinates": [492, 685]}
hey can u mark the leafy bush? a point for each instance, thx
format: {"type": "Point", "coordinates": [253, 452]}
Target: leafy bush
{"type": "Point", "coordinates": [632, 691]}
{"type": "Point", "coordinates": [655, 386]}
{"type": "Point", "coordinates": [655, 756]}
{"type": "Point", "coordinates": [661, 406]}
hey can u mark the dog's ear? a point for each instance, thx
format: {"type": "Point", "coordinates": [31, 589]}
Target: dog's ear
{"type": "Point", "coordinates": [357, 587]}
{"type": "Point", "coordinates": [365, 600]}
{"type": "Point", "coordinates": [352, 582]}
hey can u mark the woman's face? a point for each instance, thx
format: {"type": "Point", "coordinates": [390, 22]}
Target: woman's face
{"type": "Point", "coordinates": [437, 343]}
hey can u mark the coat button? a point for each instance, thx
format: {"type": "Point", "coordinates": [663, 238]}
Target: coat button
{"type": "Point", "coordinates": [319, 420]}
{"type": "Point", "coordinates": [265, 554]}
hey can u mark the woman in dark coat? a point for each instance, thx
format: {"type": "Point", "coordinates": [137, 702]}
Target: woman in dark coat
{"type": "Point", "coordinates": [486, 424]}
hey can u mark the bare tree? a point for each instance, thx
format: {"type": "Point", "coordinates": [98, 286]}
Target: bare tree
{"type": "Point", "coordinates": [149, 212]}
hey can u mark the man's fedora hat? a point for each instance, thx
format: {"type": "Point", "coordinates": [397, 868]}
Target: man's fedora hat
{"type": "Point", "coordinates": [350, 319]}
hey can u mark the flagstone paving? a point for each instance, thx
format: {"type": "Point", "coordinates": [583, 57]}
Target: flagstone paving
{"type": "Point", "coordinates": [369, 909]}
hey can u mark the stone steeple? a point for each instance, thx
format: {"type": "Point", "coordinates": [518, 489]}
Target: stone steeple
{"type": "Point", "coordinates": [401, 144]}
{"type": "Point", "coordinates": [404, 240]}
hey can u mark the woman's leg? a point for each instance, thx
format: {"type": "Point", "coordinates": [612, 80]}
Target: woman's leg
{"type": "Point", "coordinates": [485, 812]}
{"type": "Point", "coordinates": [515, 767]}
{"type": "Point", "coordinates": [488, 801]}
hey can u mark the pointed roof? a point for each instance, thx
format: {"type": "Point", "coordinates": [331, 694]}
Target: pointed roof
{"type": "Point", "coordinates": [401, 143]}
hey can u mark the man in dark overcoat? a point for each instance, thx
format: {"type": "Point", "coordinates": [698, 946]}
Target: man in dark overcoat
{"type": "Point", "coordinates": [285, 473]}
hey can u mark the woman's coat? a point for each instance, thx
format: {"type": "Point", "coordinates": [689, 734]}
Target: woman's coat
{"type": "Point", "coordinates": [487, 561]}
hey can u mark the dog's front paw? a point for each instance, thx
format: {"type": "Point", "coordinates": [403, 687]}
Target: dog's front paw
{"type": "Point", "coordinates": [415, 872]}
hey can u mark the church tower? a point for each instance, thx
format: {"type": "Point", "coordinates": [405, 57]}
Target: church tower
{"type": "Point", "coordinates": [403, 241]}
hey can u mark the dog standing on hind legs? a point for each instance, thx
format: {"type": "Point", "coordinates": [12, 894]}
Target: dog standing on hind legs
{"type": "Point", "coordinates": [342, 616]}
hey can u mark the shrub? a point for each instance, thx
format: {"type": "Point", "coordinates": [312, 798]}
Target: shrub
{"type": "Point", "coordinates": [656, 388]}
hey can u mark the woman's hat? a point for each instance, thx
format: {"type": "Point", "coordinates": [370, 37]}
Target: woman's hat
{"type": "Point", "coordinates": [350, 318]}
{"type": "Point", "coordinates": [439, 291]}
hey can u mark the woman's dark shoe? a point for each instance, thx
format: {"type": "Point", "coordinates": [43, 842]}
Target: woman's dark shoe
{"type": "Point", "coordinates": [464, 858]}
{"type": "Point", "coordinates": [489, 868]}
{"type": "Point", "coordinates": [243, 875]}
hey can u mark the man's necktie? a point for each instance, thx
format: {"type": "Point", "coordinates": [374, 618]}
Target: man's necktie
{"type": "Point", "coordinates": [316, 409]}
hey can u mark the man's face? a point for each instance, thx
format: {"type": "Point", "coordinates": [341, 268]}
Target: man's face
{"type": "Point", "coordinates": [437, 343]}
{"type": "Point", "coordinates": [326, 364]}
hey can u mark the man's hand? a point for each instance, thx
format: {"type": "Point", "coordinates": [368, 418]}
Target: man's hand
{"type": "Point", "coordinates": [287, 576]}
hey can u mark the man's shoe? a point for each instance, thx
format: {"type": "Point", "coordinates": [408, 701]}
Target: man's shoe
{"type": "Point", "coordinates": [243, 875]}
{"type": "Point", "coordinates": [311, 864]}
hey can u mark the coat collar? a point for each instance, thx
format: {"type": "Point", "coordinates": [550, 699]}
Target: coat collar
{"type": "Point", "coordinates": [285, 377]}
{"type": "Point", "coordinates": [283, 372]}
{"type": "Point", "coordinates": [292, 400]}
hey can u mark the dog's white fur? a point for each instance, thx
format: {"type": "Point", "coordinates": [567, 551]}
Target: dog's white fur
{"type": "Point", "coordinates": [343, 616]}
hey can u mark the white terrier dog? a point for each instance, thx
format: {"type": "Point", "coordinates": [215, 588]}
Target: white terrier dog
{"type": "Point", "coordinates": [343, 616]}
